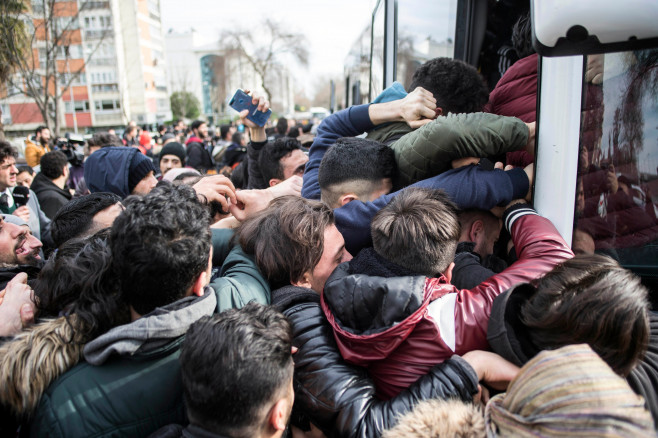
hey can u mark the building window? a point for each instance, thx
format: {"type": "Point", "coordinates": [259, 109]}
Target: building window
{"type": "Point", "coordinates": [81, 106]}
{"type": "Point", "coordinates": [105, 88]}
{"type": "Point", "coordinates": [78, 79]}
{"type": "Point", "coordinates": [107, 105]}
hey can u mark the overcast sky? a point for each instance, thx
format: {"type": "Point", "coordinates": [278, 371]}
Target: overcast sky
{"type": "Point", "coordinates": [331, 26]}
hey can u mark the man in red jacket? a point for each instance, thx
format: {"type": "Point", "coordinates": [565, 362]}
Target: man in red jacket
{"type": "Point", "coordinates": [392, 307]}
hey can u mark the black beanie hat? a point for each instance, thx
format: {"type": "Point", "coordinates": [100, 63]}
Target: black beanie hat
{"type": "Point", "coordinates": [173, 148]}
{"type": "Point", "coordinates": [140, 166]}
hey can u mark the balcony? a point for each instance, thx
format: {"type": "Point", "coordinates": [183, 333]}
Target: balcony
{"type": "Point", "coordinates": [101, 61]}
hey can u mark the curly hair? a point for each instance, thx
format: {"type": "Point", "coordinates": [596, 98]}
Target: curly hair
{"type": "Point", "coordinates": [456, 85]}
{"type": "Point", "coordinates": [163, 240]}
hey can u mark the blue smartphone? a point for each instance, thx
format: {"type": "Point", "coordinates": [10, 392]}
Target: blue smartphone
{"type": "Point", "coordinates": [242, 101]}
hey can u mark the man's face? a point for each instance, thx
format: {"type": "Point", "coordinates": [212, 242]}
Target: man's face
{"type": "Point", "coordinates": [202, 131]}
{"type": "Point", "coordinates": [17, 245]}
{"type": "Point", "coordinates": [294, 163]}
{"type": "Point", "coordinates": [333, 255]}
{"type": "Point", "coordinates": [8, 173]}
{"type": "Point", "coordinates": [45, 136]}
{"type": "Point", "coordinates": [168, 162]}
{"type": "Point", "coordinates": [145, 185]}
{"type": "Point", "coordinates": [24, 179]}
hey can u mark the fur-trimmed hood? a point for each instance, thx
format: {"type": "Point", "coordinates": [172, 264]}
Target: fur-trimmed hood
{"type": "Point", "coordinates": [32, 360]}
{"type": "Point", "coordinates": [440, 418]}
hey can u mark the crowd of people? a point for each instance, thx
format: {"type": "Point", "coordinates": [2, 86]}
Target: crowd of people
{"type": "Point", "coordinates": [291, 280]}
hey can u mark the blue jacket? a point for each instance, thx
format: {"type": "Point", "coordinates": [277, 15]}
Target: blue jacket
{"type": "Point", "coordinates": [469, 187]}
{"type": "Point", "coordinates": [107, 170]}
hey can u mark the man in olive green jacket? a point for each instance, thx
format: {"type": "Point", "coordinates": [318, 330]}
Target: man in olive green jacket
{"type": "Point", "coordinates": [129, 383]}
{"type": "Point", "coordinates": [456, 93]}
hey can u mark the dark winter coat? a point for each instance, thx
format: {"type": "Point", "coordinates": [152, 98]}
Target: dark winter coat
{"type": "Point", "coordinates": [51, 197]}
{"type": "Point", "coordinates": [198, 157]}
{"type": "Point", "coordinates": [340, 398]}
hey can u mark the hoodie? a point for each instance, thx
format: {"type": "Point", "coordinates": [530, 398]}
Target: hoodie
{"type": "Point", "coordinates": [116, 169]}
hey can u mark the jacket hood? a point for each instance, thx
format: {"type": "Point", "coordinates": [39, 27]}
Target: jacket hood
{"type": "Point", "coordinates": [440, 418]}
{"type": "Point", "coordinates": [506, 333]}
{"type": "Point", "coordinates": [193, 139]}
{"type": "Point", "coordinates": [371, 316]}
{"type": "Point", "coordinates": [287, 296]}
{"type": "Point", "coordinates": [108, 169]}
{"type": "Point", "coordinates": [148, 334]}
{"type": "Point", "coordinates": [42, 184]}
{"type": "Point", "coordinates": [34, 359]}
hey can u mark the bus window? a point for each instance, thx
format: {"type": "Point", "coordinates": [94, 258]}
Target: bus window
{"type": "Point", "coordinates": [377, 55]}
{"type": "Point", "coordinates": [616, 209]}
{"type": "Point", "coordinates": [425, 30]}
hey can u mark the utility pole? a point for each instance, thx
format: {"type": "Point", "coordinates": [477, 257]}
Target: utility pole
{"type": "Point", "coordinates": [70, 80]}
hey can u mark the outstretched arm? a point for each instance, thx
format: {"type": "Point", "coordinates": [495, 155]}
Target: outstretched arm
{"type": "Point", "coordinates": [469, 187]}
{"type": "Point", "coordinates": [415, 109]}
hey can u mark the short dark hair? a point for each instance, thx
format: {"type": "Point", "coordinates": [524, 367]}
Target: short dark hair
{"type": "Point", "coordinates": [224, 131]}
{"type": "Point", "coordinates": [287, 238]}
{"type": "Point", "coordinates": [7, 150]}
{"type": "Point", "coordinates": [163, 239]}
{"type": "Point", "coordinates": [237, 137]}
{"type": "Point", "coordinates": [522, 36]}
{"type": "Point", "coordinates": [417, 230]}
{"type": "Point", "coordinates": [355, 159]}
{"type": "Point", "coordinates": [76, 218]}
{"type": "Point", "coordinates": [233, 365]}
{"type": "Point", "coordinates": [25, 168]}
{"type": "Point", "coordinates": [39, 129]}
{"type": "Point", "coordinates": [590, 299]}
{"type": "Point", "coordinates": [195, 124]}
{"type": "Point", "coordinates": [104, 139]}
{"type": "Point", "coordinates": [282, 126]}
{"type": "Point", "coordinates": [270, 157]}
{"type": "Point", "coordinates": [52, 164]}
{"type": "Point", "coordinates": [456, 85]}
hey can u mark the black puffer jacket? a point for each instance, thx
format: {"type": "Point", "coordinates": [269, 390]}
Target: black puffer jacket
{"type": "Point", "coordinates": [340, 398]}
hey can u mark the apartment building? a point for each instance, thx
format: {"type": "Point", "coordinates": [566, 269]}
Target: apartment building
{"type": "Point", "coordinates": [118, 47]}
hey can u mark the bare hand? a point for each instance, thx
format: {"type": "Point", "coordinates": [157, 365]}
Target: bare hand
{"type": "Point", "coordinates": [613, 183]}
{"type": "Point", "coordinates": [257, 133]}
{"type": "Point", "coordinates": [491, 368]}
{"type": "Point", "coordinates": [216, 188]}
{"type": "Point", "coordinates": [417, 108]}
{"type": "Point", "coordinates": [17, 307]}
{"type": "Point", "coordinates": [22, 212]}
{"type": "Point", "coordinates": [251, 202]}
{"type": "Point", "coordinates": [291, 186]}
{"type": "Point", "coordinates": [594, 70]}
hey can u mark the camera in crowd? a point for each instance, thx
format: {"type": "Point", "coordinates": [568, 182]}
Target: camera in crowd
{"type": "Point", "coordinates": [72, 146]}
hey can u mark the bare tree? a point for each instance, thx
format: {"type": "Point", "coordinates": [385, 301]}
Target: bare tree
{"type": "Point", "coordinates": [266, 49]}
{"type": "Point", "coordinates": [13, 40]}
{"type": "Point", "coordinates": [42, 63]}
